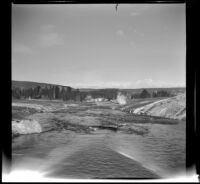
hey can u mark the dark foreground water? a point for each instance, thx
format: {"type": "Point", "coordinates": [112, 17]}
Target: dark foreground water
{"type": "Point", "coordinates": [104, 154]}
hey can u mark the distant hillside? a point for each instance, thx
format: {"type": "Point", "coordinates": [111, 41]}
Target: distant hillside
{"type": "Point", "coordinates": [26, 89]}
{"type": "Point", "coordinates": [95, 89]}
{"type": "Point", "coordinates": [35, 90]}
{"type": "Point", "coordinates": [29, 84]}
{"type": "Point", "coordinates": [151, 90]}
{"type": "Point", "coordinates": [139, 90]}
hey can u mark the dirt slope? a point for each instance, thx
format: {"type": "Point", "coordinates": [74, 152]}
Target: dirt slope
{"type": "Point", "coordinates": [174, 108]}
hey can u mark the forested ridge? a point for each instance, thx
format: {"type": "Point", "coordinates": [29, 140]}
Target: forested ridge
{"type": "Point", "coordinates": [35, 90]}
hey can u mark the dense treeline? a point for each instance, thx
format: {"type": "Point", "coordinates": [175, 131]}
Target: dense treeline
{"type": "Point", "coordinates": [47, 92]}
{"type": "Point", "coordinates": [24, 90]}
{"type": "Point", "coordinates": [104, 93]}
{"type": "Point", "coordinates": [61, 92]}
{"type": "Point", "coordinates": [145, 94]}
{"type": "Point", "coordinates": [67, 93]}
{"type": "Point", "coordinates": [161, 93]}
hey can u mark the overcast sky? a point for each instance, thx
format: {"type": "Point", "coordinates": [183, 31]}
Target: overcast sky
{"type": "Point", "coordinates": [139, 45]}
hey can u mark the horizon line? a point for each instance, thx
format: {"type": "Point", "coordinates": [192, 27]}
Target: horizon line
{"type": "Point", "coordinates": [99, 87]}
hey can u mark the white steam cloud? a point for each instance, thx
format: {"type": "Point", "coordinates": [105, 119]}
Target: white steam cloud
{"type": "Point", "coordinates": [121, 99]}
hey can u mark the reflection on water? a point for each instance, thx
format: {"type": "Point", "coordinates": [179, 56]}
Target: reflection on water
{"type": "Point", "coordinates": [104, 153]}
{"type": "Point", "coordinates": [162, 150]}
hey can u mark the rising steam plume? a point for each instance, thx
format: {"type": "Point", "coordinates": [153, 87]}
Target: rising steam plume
{"type": "Point", "coordinates": [121, 99]}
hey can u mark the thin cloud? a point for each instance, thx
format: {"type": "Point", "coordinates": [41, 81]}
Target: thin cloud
{"type": "Point", "coordinates": [132, 44]}
{"type": "Point", "coordinates": [51, 39]}
{"type": "Point", "coordinates": [48, 27]}
{"type": "Point", "coordinates": [132, 14]}
{"type": "Point", "coordinates": [149, 83]}
{"type": "Point", "coordinates": [140, 9]}
{"type": "Point", "coordinates": [145, 83]}
{"type": "Point", "coordinates": [120, 33]}
{"type": "Point", "coordinates": [50, 36]}
{"type": "Point", "coordinates": [96, 85]}
{"type": "Point", "coordinates": [21, 48]}
{"type": "Point", "coordinates": [139, 33]}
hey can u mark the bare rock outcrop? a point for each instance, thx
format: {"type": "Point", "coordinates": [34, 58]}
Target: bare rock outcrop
{"type": "Point", "coordinates": [25, 127]}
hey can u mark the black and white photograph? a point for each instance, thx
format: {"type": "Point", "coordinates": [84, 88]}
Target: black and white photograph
{"type": "Point", "coordinates": [98, 91]}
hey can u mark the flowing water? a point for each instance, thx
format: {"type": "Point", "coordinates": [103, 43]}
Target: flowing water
{"type": "Point", "coordinates": [104, 153]}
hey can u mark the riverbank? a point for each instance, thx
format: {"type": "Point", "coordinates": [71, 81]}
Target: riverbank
{"type": "Point", "coordinates": [79, 117]}
{"type": "Point", "coordinates": [172, 108]}
{"type": "Point", "coordinates": [75, 139]}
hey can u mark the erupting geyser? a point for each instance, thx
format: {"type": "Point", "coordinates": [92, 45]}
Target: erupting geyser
{"type": "Point", "coordinates": [121, 99]}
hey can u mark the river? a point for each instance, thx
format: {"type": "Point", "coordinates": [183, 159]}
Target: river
{"type": "Point", "coordinates": [104, 153]}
